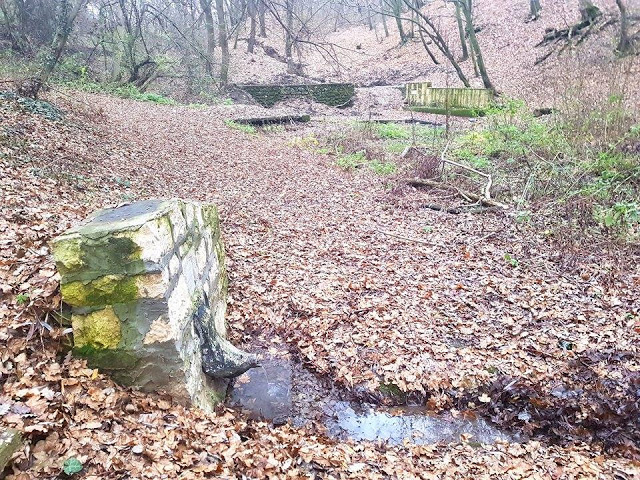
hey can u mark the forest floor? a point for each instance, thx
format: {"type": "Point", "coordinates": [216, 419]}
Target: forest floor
{"type": "Point", "coordinates": [365, 286]}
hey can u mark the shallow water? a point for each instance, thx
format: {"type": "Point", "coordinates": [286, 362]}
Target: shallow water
{"type": "Point", "coordinates": [282, 391]}
{"type": "Point", "coordinates": [408, 424]}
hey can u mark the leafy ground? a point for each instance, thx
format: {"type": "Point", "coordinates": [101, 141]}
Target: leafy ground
{"type": "Point", "coordinates": [360, 281]}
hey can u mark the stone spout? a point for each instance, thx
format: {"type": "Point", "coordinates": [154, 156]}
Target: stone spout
{"type": "Point", "coordinates": [220, 358]}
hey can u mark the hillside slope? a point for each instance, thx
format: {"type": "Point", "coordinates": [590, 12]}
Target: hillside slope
{"type": "Point", "coordinates": [508, 42]}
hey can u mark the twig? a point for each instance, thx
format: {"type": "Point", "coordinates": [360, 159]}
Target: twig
{"type": "Point", "coordinates": [407, 239]}
{"type": "Point", "coordinates": [487, 187]}
{"type": "Point", "coordinates": [482, 239]}
{"type": "Point", "coordinates": [473, 196]}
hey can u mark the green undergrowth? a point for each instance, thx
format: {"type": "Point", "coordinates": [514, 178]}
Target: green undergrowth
{"type": "Point", "coordinates": [355, 160]}
{"type": "Point", "coordinates": [39, 107]}
{"type": "Point", "coordinates": [583, 170]}
{"type": "Point", "coordinates": [373, 145]}
{"type": "Point", "coordinates": [249, 129]}
{"type": "Point", "coordinates": [122, 91]}
{"type": "Point", "coordinates": [398, 131]}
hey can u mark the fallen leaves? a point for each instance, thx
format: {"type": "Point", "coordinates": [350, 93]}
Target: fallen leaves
{"type": "Point", "coordinates": [307, 265]}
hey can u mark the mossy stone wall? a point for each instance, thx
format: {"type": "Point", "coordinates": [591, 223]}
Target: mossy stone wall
{"type": "Point", "coordinates": [332, 94]}
{"type": "Point", "coordinates": [135, 277]}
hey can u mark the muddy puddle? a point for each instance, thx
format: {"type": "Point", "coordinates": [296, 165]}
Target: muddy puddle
{"type": "Point", "coordinates": [282, 391]}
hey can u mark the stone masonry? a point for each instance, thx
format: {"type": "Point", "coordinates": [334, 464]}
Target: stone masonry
{"type": "Point", "coordinates": [147, 286]}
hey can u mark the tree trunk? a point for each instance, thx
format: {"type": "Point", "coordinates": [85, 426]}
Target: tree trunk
{"type": "Point", "coordinates": [224, 43]}
{"type": "Point", "coordinates": [475, 46]}
{"type": "Point", "coordinates": [426, 47]}
{"type": "Point", "coordinates": [397, 12]}
{"type": "Point", "coordinates": [463, 40]}
{"type": "Point", "coordinates": [535, 9]}
{"type": "Point", "coordinates": [211, 35]}
{"type": "Point", "coordinates": [251, 10]}
{"type": "Point", "coordinates": [67, 14]}
{"type": "Point", "coordinates": [262, 10]}
{"type": "Point", "coordinates": [289, 40]}
{"type": "Point", "coordinates": [384, 19]}
{"type": "Point", "coordinates": [624, 45]}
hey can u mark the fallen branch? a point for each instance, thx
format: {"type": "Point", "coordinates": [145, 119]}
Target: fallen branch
{"type": "Point", "coordinates": [488, 202]}
{"type": "Point", "coordinates": [487, 188]}
{"type": "Point", "coordinates": [404, 120]}
{"type": "Point", "coordinates": [272, 120]}
{"type": "Point", "coordinates": [441, 208]}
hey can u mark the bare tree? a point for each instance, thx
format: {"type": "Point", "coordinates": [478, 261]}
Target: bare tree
{"type": "Point", "coordinates": [65, 18]}
{"type": "Point", "coordinates": [384, 19]}
{"type": "Point", "coordinates": [211, 34]}
{"type": "Point", "coordinates": [467, 9]}
{"type": "Point", "coordinates": [224, 43]}
{"type": "Point", "coordinates": [427, 29]}
{"type": "Point", "coordinates": [262, 10]}
{"type": "Point", "coordinates": [535, 7]}
{"type": "Point", "coordinates": [289, 38]}
{"type": "Point", "coordinates": [461, 32]}
{"type": "Point", "coordinates": [625, 43]}
{"type": "Point", "coordinates": [252, 12]}
{"type": "Point", "coordinates": [396, 9]}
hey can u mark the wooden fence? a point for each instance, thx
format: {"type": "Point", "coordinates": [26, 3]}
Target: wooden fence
{"type": "Point", "coordinates": [422, 94]}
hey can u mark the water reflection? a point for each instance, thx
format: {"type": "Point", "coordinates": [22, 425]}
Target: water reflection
{"type": "Point", "coordinates": [282, 391]}
{"type": "Point", "coordinates": [414, 425]}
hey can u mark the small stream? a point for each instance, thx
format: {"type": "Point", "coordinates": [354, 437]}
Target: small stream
{"type": "Point", "coordinates": [283, 391]}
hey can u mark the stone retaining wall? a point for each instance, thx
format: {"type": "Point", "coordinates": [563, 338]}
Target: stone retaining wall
{"type": "Point", "coordinates": [147, 285]}
{"type": "Point", "coordinates": [332, 94]}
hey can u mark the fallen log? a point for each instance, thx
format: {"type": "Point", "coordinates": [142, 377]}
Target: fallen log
{"type": "Point", "coordinates": [487, 202]}
{"type": "Point", "coordinates": [404, 120]}
{"type": "Point", "coordinates": [273, 120]}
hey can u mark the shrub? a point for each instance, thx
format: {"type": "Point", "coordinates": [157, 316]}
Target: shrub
{"type": "Point", "coordinates": [559, 162]}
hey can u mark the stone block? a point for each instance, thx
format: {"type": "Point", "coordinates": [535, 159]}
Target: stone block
{"type": "Point", "coordinates": [148, 298]}
{"type": "Point", "coordinates": [10, 443]}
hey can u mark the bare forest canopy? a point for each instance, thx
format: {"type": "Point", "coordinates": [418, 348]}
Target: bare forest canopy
{"type": "Point", "coordinates": [192, 43]}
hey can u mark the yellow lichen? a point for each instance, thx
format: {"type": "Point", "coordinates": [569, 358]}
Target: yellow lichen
{"type": "Point", "coordinates": [68, 254]}
{"type": "Point", "coordinates": [100, 329]}
{"type": "Point", "coordinates": [107, 290]}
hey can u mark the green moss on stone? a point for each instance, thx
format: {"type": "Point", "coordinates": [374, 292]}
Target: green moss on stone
{"type": "Point", "coordinates": [107, 359]}
{"type": "Point", "coordinates": [216, 396]}
{"type": "Point", "coordinates": [107, 290]}
{"type": "Point", "coordinates": [211, 217]}
{"type": "Point", "coordinates": [166, 222]}
{"type": "Point", "coordinates": [84, 258]}
{"type": "Point", "coordinates": [97, 330]}
{"type": "Point", "coordinates": [68, 255]}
